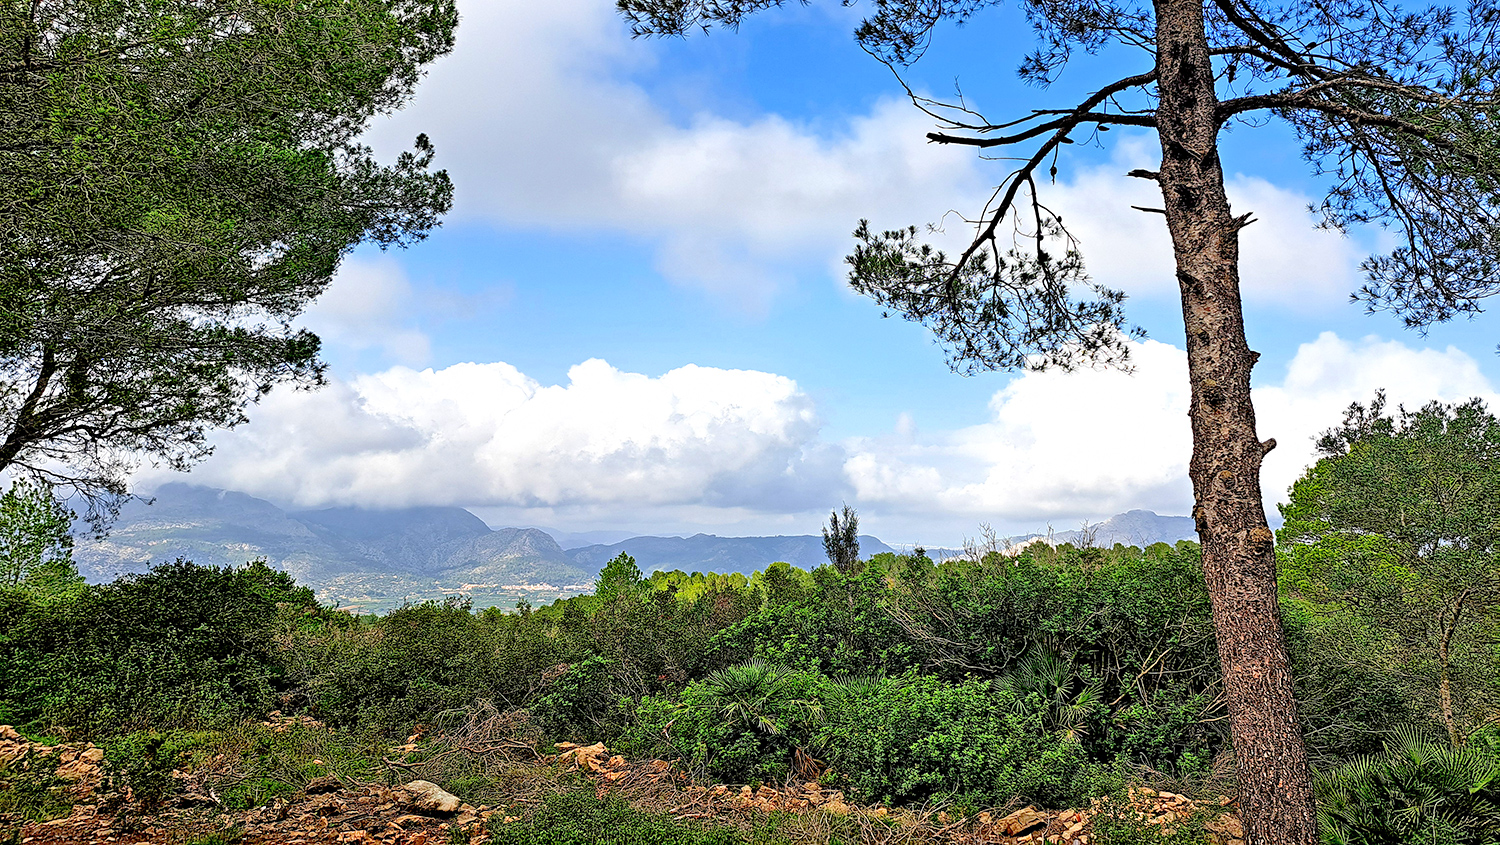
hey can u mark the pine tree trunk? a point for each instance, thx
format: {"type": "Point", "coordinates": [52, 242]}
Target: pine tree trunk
{"type": "Point", "coordinates": [1239, 560]}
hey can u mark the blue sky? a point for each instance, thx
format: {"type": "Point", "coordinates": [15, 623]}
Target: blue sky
{"type": "Point", "coordinates": [635, 317]}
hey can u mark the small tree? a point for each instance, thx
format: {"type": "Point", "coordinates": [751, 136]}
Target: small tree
{"type": "Point", "coordinates": [1399, 524]}
{"type": "Point", "coordinates": [841, 540]}
{"type": "Point", "coordinates": [620, 577]}
{"type": "Point", "coordinates": [36, 542]}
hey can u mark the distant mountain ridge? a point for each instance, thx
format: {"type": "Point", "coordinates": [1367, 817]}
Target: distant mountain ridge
{"type": "Point", "coordinates": [376, 559]}
{"type": "Point", "coordinates": [338, 551]}
{"type": "Point", "coordinates": [1132, 528]}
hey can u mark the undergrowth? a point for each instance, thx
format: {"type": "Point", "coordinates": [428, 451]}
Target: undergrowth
{"type": "Point", "coordinates": [30, 788]}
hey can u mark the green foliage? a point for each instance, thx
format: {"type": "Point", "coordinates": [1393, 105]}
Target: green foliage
{"type": "Point", "coordinates": [741, 723]}
{"type": "Point", "coordinates": [619, 578]}
{"type": "Point", "coordinates": [214, 181]}
{"type": "Point", "coordinates": [36, 543]}
{"type": "Point", "coordinates": [916, 737]}
{"type": "Point", "coordinates": [1389, 558]}
{"type": "Point", "coordinates": [841, 540]}
{"type": "Point", "coordinates": [1417, 791]}
{"type": "Point", "coordinates": [141, 764]}
{"type": "Point", "coordinates": [1039, 677]}
{"type": "Point", "coordinates": [1068, 701]}
{"type": "Point", "coordinates": [182, 645]}
{"type": "Point", "coordinates": [579, 817]}
{"type": "Point", "coordinates": [392, 672]}
{"type": "Point", "coordinates": [581, 702]}
{"type": "Point", "coordinates": [31, 789]}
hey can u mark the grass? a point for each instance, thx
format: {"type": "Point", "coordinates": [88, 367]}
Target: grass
{"type": "Point", "coordinates": [579, 817]}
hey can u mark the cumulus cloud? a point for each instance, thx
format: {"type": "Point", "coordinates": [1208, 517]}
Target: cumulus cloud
{"type": "Point", "coordinates": [740, 451]}
{"type": "Point", "coordinates": [1091, 444]}
{"type": "Point", "coordinates": [537, 117]}
{"type": "Point", "coordinates": [488, 435]}
{"type": "Point", "coordinates": [1057, 444]}
{"type": "Point", "coordinates": [1329, 373]}
{"type": "Point", "coordinates": [366, 307]}
{"type": "Point", "coordinates": [1284, 259]}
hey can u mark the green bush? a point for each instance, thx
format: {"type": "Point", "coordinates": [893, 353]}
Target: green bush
{"type": "Point", "coordinates": [916, 737]}
{"type": "Point", "coordinates": [740, 724]}
{"type": "Point", "coordinates": [182, 646]}
{"type": "Point", "coordinates": [141, 764]}
{"type": "Point", "coordinates": [580, 703]}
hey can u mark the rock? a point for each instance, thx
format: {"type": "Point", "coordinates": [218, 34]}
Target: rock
{"type": "Point", "coordinates": [403, 821]}
{"type": "Point", "coordinates": [428, 797]}
{"type": "Point", "coordinates": [318, 786]}
{"type": "Point", "coordinates": [1023, 821]}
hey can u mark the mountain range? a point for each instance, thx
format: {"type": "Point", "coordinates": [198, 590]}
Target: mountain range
{"type": "Point", "coordinates": [378, 559]}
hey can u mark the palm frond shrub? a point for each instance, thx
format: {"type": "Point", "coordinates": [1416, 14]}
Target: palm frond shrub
{"type": "Point", "coordinates": [1418, 791]}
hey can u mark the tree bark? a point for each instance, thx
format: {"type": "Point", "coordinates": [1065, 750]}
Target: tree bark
{"type": "Point", "coordinates": [1239, 560]}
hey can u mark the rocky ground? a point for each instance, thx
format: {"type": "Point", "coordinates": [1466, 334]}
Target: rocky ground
{"type": "Point", "coordinates": [327, 810]}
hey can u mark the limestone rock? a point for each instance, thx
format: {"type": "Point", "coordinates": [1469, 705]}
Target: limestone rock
{"type": "Point", "coordinates": [427, 797]}
{"type": "Point", "coordinates": [1023, 821]}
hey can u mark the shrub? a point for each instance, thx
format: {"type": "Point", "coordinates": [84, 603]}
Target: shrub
{"type": "Point", "coordinates": [915, 737]}
{"type": "Point", "coordinates": [1417, 791]}
{"type": "Point", "coordinates": [141, 764]}
{"type": "Point", "coordinates": [580, 703]}
{"type": "Point", "coordinates": [740, 724]}
{"type": "Point", "coordinates": [184, 645]}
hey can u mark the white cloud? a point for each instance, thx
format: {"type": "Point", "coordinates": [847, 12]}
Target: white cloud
{"type": "Point", "coordinates": [738, 451]}
{"type": "Point", "coordinates": [1087, 445]}
{"type": "Point", "coordinates": [487, 435]}
{"type": "Point", "coordinates": [1329, 373]}
{"type": "Point", "coordinates": [537, 121]}
{"type": "Point", "coordinates": [537, 118]}
{"type": "Point", "coordinates": [366, 307]}
{"type": "Point", "coordinates": [1284, 259]}
{"type": "Point", "coordinates": [1058, 444]}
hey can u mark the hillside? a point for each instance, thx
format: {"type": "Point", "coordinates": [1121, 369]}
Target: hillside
{"type": "Point", "coordinates": [371, 559]}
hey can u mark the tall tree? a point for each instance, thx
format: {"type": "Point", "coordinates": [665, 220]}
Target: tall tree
{"type": "Point", "coordinates": [841, 540]}
{"type": "Point", "coordinates": [1395, 106]}
{"type": "Point", "coordinates": [1399, 525]}
{"type": "Point", "coordinates": [178, 180]}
